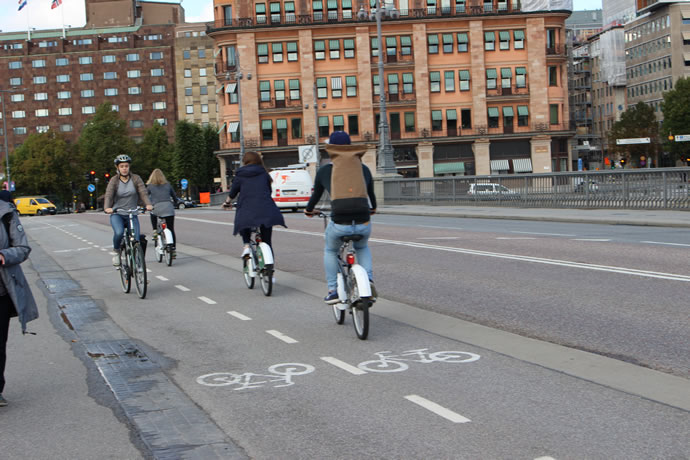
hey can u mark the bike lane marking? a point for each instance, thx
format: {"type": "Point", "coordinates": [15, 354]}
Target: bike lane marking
{"type": "Point", "coordinates": [239, 316]}
{"type": "Point", "coordinates": [281, 336]}
{"type": "Point", "coordinates": [182, 288]}
{"type": "Point", "coordinates": [162, 278]}
{"type": "Point", "coordinates": [669, 244]}
{"type": "Point", "coordinates": [437, 409]}
{"type": "Point", "coordinates": [343, 365]}
{"type": "Point", "coordinates": [207, 300]}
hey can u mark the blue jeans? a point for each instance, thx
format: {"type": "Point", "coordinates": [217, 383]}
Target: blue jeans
{"type": "Point", "coordinates": [119, 223]}
{"type": "Point", "coordinates": [330, 254]}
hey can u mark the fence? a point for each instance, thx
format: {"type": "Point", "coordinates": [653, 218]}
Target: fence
{"type": "Point", "coordinates": [664, 188]}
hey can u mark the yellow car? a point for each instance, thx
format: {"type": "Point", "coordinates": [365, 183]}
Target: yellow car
{"type": "Point", "coordinates": [34, 205]}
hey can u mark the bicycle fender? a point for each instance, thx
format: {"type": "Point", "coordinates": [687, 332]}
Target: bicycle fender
{"type": "Point", "coordinates": [168, 236]}
{"type": "Point", "coordinates": [266, 253]}
{"type": "Point", "coordinates": [362, 280]}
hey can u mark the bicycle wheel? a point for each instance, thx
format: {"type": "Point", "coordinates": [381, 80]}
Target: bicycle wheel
{"type": "Point", "coordinates": [246, 269]}
{"type": "Point", "coordinates": [339, 314]}
{"type": "Point", "coordinates": [139, 269]}
{"type": "Point", "coordinates": [266, 279]}
{"type": "Point", "coordinates": [383, 365]}
{"type": "Point", "coordinates": [360, 311]}
{"type": "Point", "coordinates": [168, 254]}
{"type": "Point", "coordinates": [125, 273]}
{"type": "Point", "coordinates": [454, 356]}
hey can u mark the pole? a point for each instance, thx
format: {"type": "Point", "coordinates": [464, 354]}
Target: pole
{"type": "Point", "coordinates": [239, 76]}
{"type": "Point", "coordinates": [4, 135]}
{"type": "Point", "coordinates": [386, 163]}
{"type": "Point", "coordinates": [316, 123]}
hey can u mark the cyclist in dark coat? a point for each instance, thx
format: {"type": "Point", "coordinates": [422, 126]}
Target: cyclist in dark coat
{"type": "Point", "coordinates": [255, 207]}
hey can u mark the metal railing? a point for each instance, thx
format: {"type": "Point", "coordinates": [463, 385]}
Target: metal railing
{"type": "Point", "coordinates": [663, 188]}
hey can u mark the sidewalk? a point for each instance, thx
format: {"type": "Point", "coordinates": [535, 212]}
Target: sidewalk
{"type": "Point", "coordinates": [656, 218]}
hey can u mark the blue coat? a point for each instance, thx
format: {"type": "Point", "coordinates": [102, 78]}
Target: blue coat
{"type": "Point", "coordinates": [255, 207]}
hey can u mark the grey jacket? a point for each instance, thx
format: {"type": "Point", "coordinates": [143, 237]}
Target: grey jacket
{"type": "Point", "coordinates": [111, 190]}
{"type": "Point", "coordinates": [15, 249]}
{"type": "Point", "coordinates": [163, 198]}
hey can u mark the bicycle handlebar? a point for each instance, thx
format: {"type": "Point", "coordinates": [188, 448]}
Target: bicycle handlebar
{"type": "Point", "coordinates": [130, 211]}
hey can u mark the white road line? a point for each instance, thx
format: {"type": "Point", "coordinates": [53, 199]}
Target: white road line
{"type": "Point", "coordinates": [104, 249]}
{"type": "Point", "coordinates": [544, 458]}
{"type": "Point", "coordinates": [515, 238]}
{"type": "Point", "coordinates": [148, 270]}
{"type": "Point", "coordinates": [670, 244]}
{"type": "Point", "coordinates": [547, 234]}
{"type": "Point", "coordinates": [435, 226]}
{"type": "Point", "coordinates": [343, 365]}
{"type": "Point", "coordinates": [73, 250]}
{"type": "Point", "coordinates": [239, 316]}
{"type": "Point", "coordinates": [207, 300]}
{"type": "Point", "coordinates": [603, 240]}
{"type": "Point", "coordinates": [181, 288]}
{"type": "Point", "coordinates": [437, 409]}
{"type": "Point", "coordinates": [281, 336]}
{"type": "Point", "coordinates": [439, 238]}
{"type": "Point", "coordinates": [162, 278]}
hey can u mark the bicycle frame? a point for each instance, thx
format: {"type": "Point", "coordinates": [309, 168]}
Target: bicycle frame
{"type": "Point", "coordinates": [259, 262]}
{"type": "Point", "coordinates": [129, 265]}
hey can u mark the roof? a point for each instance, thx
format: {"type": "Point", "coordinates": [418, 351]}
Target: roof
{"type": "Point", "coordinates": [74, 32]}
{"type": "Point", "coordinates": [586, 18]}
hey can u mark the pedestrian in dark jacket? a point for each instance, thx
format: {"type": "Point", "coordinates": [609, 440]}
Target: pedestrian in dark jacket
{"type": "Point", "coordinates": [16, 298]}
{"type": "Point", "coordinates": [255, 207]}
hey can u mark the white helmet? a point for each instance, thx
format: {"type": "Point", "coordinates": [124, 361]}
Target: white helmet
{"type": "Point", "coordinates": [122, 159]}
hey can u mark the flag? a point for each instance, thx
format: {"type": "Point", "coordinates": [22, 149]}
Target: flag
{"type": "Point", "coordinates": [55, 4]}
{"type": "Point", "coordinates": [22, 4]}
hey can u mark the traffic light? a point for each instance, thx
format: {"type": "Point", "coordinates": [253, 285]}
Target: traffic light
{"type": "Point", "coordinates": [622, 162]}
{"type": "Point", "coordinates": [106, 176]}
{"type": "Point", "coordinates": [93, 175]}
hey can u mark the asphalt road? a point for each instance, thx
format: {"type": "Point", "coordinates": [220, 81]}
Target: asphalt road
{"type": "Point", "coordinates": [293, 383]}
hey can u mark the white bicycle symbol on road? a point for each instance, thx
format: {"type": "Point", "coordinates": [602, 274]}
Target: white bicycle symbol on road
{"type": "Point", "coordinates": [280, 373]}
{"type": "Point", "coordinates": [389, 362]}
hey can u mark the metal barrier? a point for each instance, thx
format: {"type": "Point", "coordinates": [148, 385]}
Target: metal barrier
{"type": "Point", "coordinates": [663, 188]}
{"type": "Point", "coordinates": [218, 198]}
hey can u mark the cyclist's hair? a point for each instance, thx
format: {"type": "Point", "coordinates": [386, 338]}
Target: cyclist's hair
{"type": "Point", "coordinates": [157, 178]}
{"type": "Point", "coordinates": [254, 158]}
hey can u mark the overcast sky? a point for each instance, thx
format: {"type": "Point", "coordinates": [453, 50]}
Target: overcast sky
{"type": "Point", "coordinates": [38, 14]}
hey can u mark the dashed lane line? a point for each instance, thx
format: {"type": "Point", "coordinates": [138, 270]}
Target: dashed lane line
{"type": "Point", "coordinates": [669, 244]}
{"type": "Point", "coordinates": [343, 365]}
{"type": "Point", "coordinates": [162, 278]}
{"type": "Point", "coordinates": [515, 238]}
{"type": "Point", "coordinates": [545, 234]}
{"type": "Point", "coordinates": [207, 300]}
{"type": "Point", "coordinates": [438, 238]}
{"type": "Point", "coordinates": [437, 409]}
{"type": "Point", "coordinates": [239, 315]}
{"type": "Point", "coordinates": [281, 336]}
{"type": "Point", "coordinates": [601, 240]}
{"type": "Point", "coordinates": [182, 288]}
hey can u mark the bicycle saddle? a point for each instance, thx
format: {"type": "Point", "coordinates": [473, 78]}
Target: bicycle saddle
{"type": "Point", "coordinates": [351, 238]}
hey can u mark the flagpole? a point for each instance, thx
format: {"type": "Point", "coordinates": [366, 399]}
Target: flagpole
{"type": "Point", "coordinates": [28, 23]}
{"type": "Point", "coordinates": [62, 13]}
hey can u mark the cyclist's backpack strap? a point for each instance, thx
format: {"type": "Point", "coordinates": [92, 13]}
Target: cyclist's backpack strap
{"type": "Point", "coordinates": [6, 220]}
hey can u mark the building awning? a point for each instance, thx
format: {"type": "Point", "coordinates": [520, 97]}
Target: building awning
{"type": "Point", "coordinates": [408, 78]}
{"type": "Point", "coordinates": [230, 88]}
{"type": "Point", "coordinates": [686, 36]}
{"type": "Point", "coordinates": [222, 128]}
{"type": "Point", "coordinates": [522, 165]}
{"type": "Point", "coordinates": [464, 74]}
{"type": "Point", "coordinates": [686, 57]}
{"type": "Point", "coordinates": [432, 39]}
{"type": "Point", "coordinates": [506, 72]}
{"type": "Point", "coordinates": [266, 124]}
{"type": "Point", "coordinates": [336, 83]}
{"type": "Point", "coordinates": [508, 112]}
{"type": "Point", "coordinates": [449, 168]}
{"type": "Point", "coordinates": [291, 47]}
{"type": "Point", "coordinates": [499, 165]}
{"type": "Point", "coordinates": [405, 40]}
{"type": "Point", "coordinates": [281, 123]}
{"type": "Point", "coordinates": [685, 14]}
{"type": "Point", "coordinates": [436, 115]}
{"type": "Point", "coordinates": [391, 42]}
{"type": "Point", "coordinates": [220, 88]}
{"type": "Point", "coordinates": [523, 111]}
{"type": "Point", "coordinates": [451, 114]}
{"type": "Point", "coordinates": [489, 36]}
{"type": "Point", "coordinates": [520, 71]}
{"type": "Point", "coordinates": [462, 37]}
{"type": "Point", "coordinates": [233, 127]}
{"type": "Point", "coordinates": [519, 34]}
{"type": "Point", "coordinates": [491, 74]}
{"type": "Point", "coordinates": [392, 78]}
{"type": "Point", "coordinates": [493, 112]}
{"type": "Point", "coordinates": [279, 85]}
{"type": "Point", "coordinates": [504, 35]}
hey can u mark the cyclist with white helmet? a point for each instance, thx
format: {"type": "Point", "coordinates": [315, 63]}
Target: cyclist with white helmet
{"type": "Point", "coordinates": [125, 191]}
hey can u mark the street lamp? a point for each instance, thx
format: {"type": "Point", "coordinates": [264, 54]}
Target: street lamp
{"type": "Point", "coordinates": [4, 132]}
{"type": "Point", "coordinates": [239, 76]}
{"type": "Point", "coordinates": [386, 163]}
{"type": "Point", "coordinates": [316, 123]}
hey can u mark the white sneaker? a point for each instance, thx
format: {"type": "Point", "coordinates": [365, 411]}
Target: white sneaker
{"type": "Point", "coordinates": [246, 252]}
{"type": "Point", "coordinates": [116, 261]}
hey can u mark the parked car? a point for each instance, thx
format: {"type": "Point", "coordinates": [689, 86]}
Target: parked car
{"type": "Point", "coordinates": [184, 203]}
{"type": "Point", "coordinates": [34, 205]}
{"type": "Point", "coordinates": [492, 191]}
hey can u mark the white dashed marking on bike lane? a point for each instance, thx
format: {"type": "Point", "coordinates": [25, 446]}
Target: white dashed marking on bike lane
{"type": "Point", "coordinates": [343, 365]}
{"type": "Point", "coordinates": [239, 316]}
{"type": "Point", "coordinates": [544, 458]}
{"type": "Point", "coordinates": [162, 278]}
{"type": "Point", "coordinates": [281, 336]}
{"type": "Point", "coordinates": [182, 288]}
{"type": "Point", "coordinates": [437, 409]}
{"type": "Point", "coordinates": [207, 300]}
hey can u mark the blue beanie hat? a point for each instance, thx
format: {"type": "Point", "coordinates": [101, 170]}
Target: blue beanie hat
{"type": "Point", "coordinates": [339, 138]}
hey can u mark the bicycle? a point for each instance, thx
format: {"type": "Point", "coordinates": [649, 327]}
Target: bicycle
{"type": "Point", "coordinates": [164, 242]}
{"type": "Point", "coordinates": [354, 290]}
{"type": "Point", "coordinates": [389, 362]}
{"type": "Point", "coordinates": [132, 262]}
{"type": "Point", "coordinates": [259, 262]}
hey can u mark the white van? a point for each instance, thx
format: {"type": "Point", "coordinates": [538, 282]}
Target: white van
{"type": "Point", "coordinates": [292, 186]}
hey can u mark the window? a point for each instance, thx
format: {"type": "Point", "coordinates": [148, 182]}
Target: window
{"type": "Point", "coordinates": [492, 112]}
{"type": "Point", "coordinates": [110, 91]}
{"type": "Point", "coordinates": [464, 76]}
{"type": "Point", "coordinates": [156, 56]}
{"type": "Point", "coordinates": [332, 10]}
{"type": "Point", "coordinates": [508, 116]}
{"type": "Point", "coordinates": [117, 39]}
{"type": "Point", "coordinates": [393, 83]}
{"type": "Point", "coordinates": [186, 54]}
{"type": "Point", "coordinates": [489, 41]}
{"type": "Point", "coordinates": [409, 122]}
{"type": "Point", "coordinates": [17, 97]}
{"type": "Point", "coordinates": [296, 128]}
{"type": "Point", "coordinates": [132, 57]}
{"type": "Point", "coordinates": [201, 53]}
{"type": "Point", "coordinates": [432, 43]}
{"type": "Point", "coordinates": [62, 78]}
{"type": "Point", "coordinates": [353, 125]}
{"type": "Point", "coordinates": [187, 73]}
{"type": "Point", "coordinates": [462, 42]}
{"type": "Point", "coordinates": [449, 78]}
{"type": "Point", "coordinates": [431, 7]}
{"type": "Point", "coordinates": [520, 77]}
{"type": "Point", "coordinates": [338, 123]}
{"type": "Point", "coordinates": [452, 122]}
{"type": "Point", "coordinates": [436, 120]}
{"type": "Point", "coordinates": [321, 88]}
{"type": "Point", "coordinates": [88, 110]}
{"type": "Point", "coordinates": [349, 48]}
{"type": "Point", "coordinates": [447, 43]}
{"type": "Point", "coordinates": [163, 105]}
{"type": "Point", "coordinates": [64, 95]}
{"type": "Point", "coordinates": [323, 127]}
{"type": "Point", "coordinates": [289, 12]}
{"type": "Point", "coordinates": [262, 52]}
{"type": "Point", "coordinates": [336, 87]}
{"type": "Point", "coordinates": [405, 45]}
{"type": "Point", "coordinates": [133, 90]}
{"type": "Point", "coordinates": [377, 88]}
{"type": "Point", "coordinates": [16, 81]}
{"type": "Point", "coordinates": [374, 47]}
{"type": "Point", "coordinates": [347, 9]}
{"type": "Point", "coordinates": [61, 62]}
{"type": "Point", "coordinates": [460, 6]}
{"type": "Point", "coordinates": [133, 73]}
{"type": "Point", "coordinates": [82, 42]}
{"type": "Point", "coordinates": [491, 77]}
{"type": "Point", "coordinates": [553, 76]}
{"type": "Point", "coordinates": [435, 82]}
{"type": "Point", "coordinates": [202, 72]}
{"type": "Point", "coordinates": [231, 89]}
{"type": "Point", "coordinates": [84, 60]}
{"type": "Point", "coordinates": [506, 77]}
{"type": "Point", "coordinates": [294, 90]}
{"type": "Point", "coordinates": [158, 89]}
{"type": "Point", "coordinates": [282, 131]}
{"type": "Point", "coordinates": [188, 91]}
{"type": "Point", "coordinates": [466, 119]}
{"type": "Point", "coordinates": [334, 49]}
{"type": "Point", "coordinates": [260, 9]}
{"type": "Point", "coordinates": [136, 124]}
{"type": "Point", "coordinates": [279, 88]}
{"type": "Point", "coordinates": [391, 47]}
{"type": "Point", "coordinates": [504, 40]}
{"type": "Point", "coordinates": [109, 59]}
{"type": "Point", "coordinates": [553, 114]}
{"type": "Point", "coordinates": [408, 83]}
{"type": "Point", "coordinates": [291, 51]}
{"type": "Point", "coordinates": [319, 50]}
{"type": "Point", "coordinates": [265, 90]}
{"type": "Point", "coordinates": [15, 64]}
{"type": "Point", "coordinates": [189, 109]}
{"type": "Point", "coordinates": [115, 108]}
{"type": "Point", "coordinates": [41, 112]}
{"type": "Point", "coordinates": [42, 129]}
{"type": "Point", "coordinates": [38, 63]}
{"type": "Point", "coordinates": [317, 8]}
{"type": "Point", "coordinates": [64, 111]}
{"type": "Point", "coordinates": [110, 76]}
{"type": "Point", "coordinates": [87, 93]}
{"type": "Point", "coordinates": [204, 107]}
{"type": "Point", "coordinates": [351, 86]}
{"type": "Point", "coordinates": [19, 130]}
{"type": "Point", "coordinates": [551, 38]}
{"type": "Point", "coordinates": [277, 49]}
{"type": "Point", "coordinates": [86, 77]}
{"type": "Point", "coordinates": [161, 72]}
{"type": "Point", "coordinates": [267, 130]}
{"type": "Point", "coordinates": [136, 107]}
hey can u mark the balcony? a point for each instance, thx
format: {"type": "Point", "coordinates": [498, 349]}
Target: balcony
{"type": "Point", "coordinates": [393, 60]}
{"type": "Point", "coordinates": [280, 105]}
{"type": "Point", "coordinates": [555, 51]}
{"type": "Point", "coordinates": [508, 93]}
{"type": "Point", "coordinates": [221, 67]}
{"type": "Point", "coordinates": [396, 99]}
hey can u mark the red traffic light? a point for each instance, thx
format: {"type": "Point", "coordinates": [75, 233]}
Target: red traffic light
{"type": "Point", "coordinates": [93, 173]}
{"type": "Point", "coordinates": [107, 175]}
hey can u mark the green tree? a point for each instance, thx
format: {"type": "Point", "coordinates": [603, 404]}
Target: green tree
{"type": "Point", "coordinates": [153, 152]}
{"type": "Point", "coordinates": [637, 121]}
{"type": "Point", "coordinates": [188, 152]}
{"type": "Point", "coordinates": [44, 165]}
{"type": "Point", "coordinates": [210, 168]}
{"type": "Point", "coordinates": [103, 138]}
{"type": "Point", "coordinates": [676, 109]}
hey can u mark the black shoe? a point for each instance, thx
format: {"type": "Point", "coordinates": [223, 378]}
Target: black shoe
{"type": "Point", "coordinates": [374, 294]}
{"type": "Point", "coordinates": [3, 401]}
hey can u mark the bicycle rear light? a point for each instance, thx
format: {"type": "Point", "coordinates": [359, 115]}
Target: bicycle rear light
{"type": "Point", "coordinates": [350, 259]}
{"type": "Point", "coordinates": [258, 239]}
{"type": "Point", "coordinates": [163, 226]}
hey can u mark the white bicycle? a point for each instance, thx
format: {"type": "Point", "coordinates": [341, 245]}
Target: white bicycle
{"type": "Point", "coordinates": [259, 263]}
{"type": "Point", "coordinates": [164, 243]}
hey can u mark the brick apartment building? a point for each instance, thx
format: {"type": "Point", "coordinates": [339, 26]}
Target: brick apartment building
{"type": "Point", "coordinates": [471, 88]}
